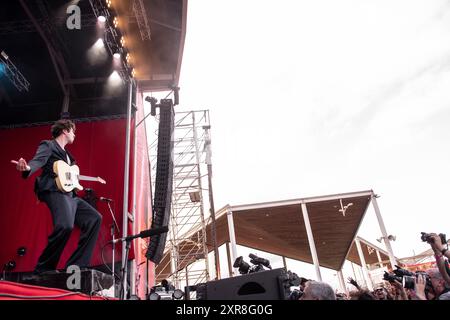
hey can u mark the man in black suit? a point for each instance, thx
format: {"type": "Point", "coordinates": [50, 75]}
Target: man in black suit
{"type": "Point", "coordinates": [66, 208]}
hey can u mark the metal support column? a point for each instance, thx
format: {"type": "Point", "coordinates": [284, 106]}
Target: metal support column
{"type": "Point", "coordinates": [230, 264]}
{"type": "Point", "coordinates": [366, 276]}
{"type": "Point", "coordinates": [133, 271]}
{"type": "Point", "coordinates": [379, 259]}
{"type": "Point", "coordinates": [126, 180]}
{"type": "Point", "coordinates": [211, 201]}
{"type": "Point", "coordinates": [312, 245]}
{"type": "Point", "coordinates": [383, 231]}
{"type": "Point", "coordinates": [232, 237]}
{"type": "Point", "coordinates": [354, 273]}
{"type": "Point", "coordinates": [342, 282]}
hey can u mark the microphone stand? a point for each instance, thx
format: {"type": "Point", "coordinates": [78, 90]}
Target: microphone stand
{"type": "Point", "coordinates": [124, 270]}
{"type": "Point", "coordinates": [113, 225]}
{"type": "Point", "coordinates": [128, 240]}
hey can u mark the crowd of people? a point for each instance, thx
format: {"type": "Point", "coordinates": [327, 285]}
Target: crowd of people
{"type": "Point", "coordinates": [432, 284]}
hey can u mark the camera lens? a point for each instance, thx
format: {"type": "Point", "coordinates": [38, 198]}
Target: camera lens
{"type": "Point", "coordinates": [408, 282]}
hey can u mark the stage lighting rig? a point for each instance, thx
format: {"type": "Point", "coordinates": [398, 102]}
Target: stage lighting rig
{"type": "Point", "coordinates": [113, 38]}
{"type": "Point", "coordinates": [13, 74]}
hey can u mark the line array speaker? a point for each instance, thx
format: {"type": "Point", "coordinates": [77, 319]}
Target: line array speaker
{"type": "Point", "coordinates": [163, 184]}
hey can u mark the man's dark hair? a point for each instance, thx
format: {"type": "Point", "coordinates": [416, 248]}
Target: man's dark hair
{"type": "Point", "coordinates": [60, 125]}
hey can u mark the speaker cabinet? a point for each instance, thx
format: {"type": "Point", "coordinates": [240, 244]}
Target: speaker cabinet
{"type": "Point", "coordinates": [264, 285]}
{"type": "Point", "coordinates": [163, 184]}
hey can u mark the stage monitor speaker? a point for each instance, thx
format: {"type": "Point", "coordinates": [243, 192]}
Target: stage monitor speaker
{"type": "Point", "coordinates": [263, 285]}
{"type": "Point", "coordinates": [163, 184]}
{"type": "Point", "coordinates": [89, 280]}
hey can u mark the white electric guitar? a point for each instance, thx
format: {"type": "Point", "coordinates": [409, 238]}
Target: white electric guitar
{"type": "Point", "coordinates": [68, 177]}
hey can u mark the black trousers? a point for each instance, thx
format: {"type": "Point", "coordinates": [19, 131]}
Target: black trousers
{"type": "Point", "coordinates": [68, 211]}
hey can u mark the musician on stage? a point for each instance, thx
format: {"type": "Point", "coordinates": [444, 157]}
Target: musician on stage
{"type": "Point", "coordinates": [66, 209]}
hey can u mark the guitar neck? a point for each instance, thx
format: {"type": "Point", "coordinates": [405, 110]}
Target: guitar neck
{"type": "Point", "coordinates": [87, 178]}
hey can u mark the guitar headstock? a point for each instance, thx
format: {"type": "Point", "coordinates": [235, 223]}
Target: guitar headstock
{"type": "Point", "coordinates": [101, 180]}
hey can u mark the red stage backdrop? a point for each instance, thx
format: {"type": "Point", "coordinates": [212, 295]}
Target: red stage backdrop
{"type": "Point", "coordinates": [99, 150]}
{"type": "Point", "coordinates": [145, 275]}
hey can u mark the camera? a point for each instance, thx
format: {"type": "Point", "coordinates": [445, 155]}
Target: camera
{"type": "Point", "coordinates": [397, 274]}
{"type": "Point", "coordinates": [391, 277]}
{"type": "Point", "coordinates": [407, 278]}
{"type": "Point", "coordinates": [400, 272]}
{"type": "Point", "coordinates": [426, 237]}
{"type": "Point", "coordinates": [409, 281]}
{"type": "Point", "coordinates": [258, 264]}
{"type": "Point", "coordinates": [286, 281]}
{"type": "Point", "coordinates": [292, 280]}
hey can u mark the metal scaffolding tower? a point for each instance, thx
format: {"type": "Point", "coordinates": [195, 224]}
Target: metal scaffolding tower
{"type": "Point", "coordinates": [186, 253]}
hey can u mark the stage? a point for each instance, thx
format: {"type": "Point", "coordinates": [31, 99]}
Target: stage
{"type": "Point", "coordinates": [20, 291]}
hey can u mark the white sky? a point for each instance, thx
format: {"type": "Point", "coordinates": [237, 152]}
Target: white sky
{"type": "Point", "coordinates": [311, 98]}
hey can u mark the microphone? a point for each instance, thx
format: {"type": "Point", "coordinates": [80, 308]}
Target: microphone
{"type": "Point", "coordinates": [144, 234]}
{"type": "Point", "coordinates": [106, 199]}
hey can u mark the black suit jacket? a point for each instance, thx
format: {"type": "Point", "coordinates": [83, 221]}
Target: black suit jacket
{"type": "Point", "coordinates": [47, 153]}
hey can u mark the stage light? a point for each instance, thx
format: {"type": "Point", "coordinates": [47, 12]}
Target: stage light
{"type": "Point", "coordinates": [114, 76]}
{"type": "Point", "coordinates": [99, 43]}
{"type": "Point", "coordinates": [108, 3]}
{"type": "Point", "coordinates": [9, 266]}
{"type": "Point", "coordinates": [133, 73]}
{"type": "Point", "coordinates": [4, 55]}
{"type": "Point", "coordinates": [116, 22]}
{"type": "Point", "coordinates": [128, 57]}
{"type": "Point", "coordinates": [122, 41]}
{"type": "Point", "coordinates": [115, 84]}
{"type": "Point", "coordinates": [117, 61]}
{"type": "Point", "coordinates": [21, 251]}
{"type": "Point", "coordinates": [114, 79]}
{"type": "Point", "coordinates": [97, 53]}
{"type": "Point", "coordinates": [154, 296]}
{"type": "Point", "coordinates": [178, 294]}
{"type": "Point", "coordinates": [101, 19]}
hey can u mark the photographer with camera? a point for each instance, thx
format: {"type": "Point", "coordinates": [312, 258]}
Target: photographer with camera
{"type": "Point", "coordinates": [439, 277]}
{"type": "Point", "coordinates": [440, 252]}
{"type": "Point", "coordinates": [418, 292]}
{"type": "Point", "coordinates": [418, 285]}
